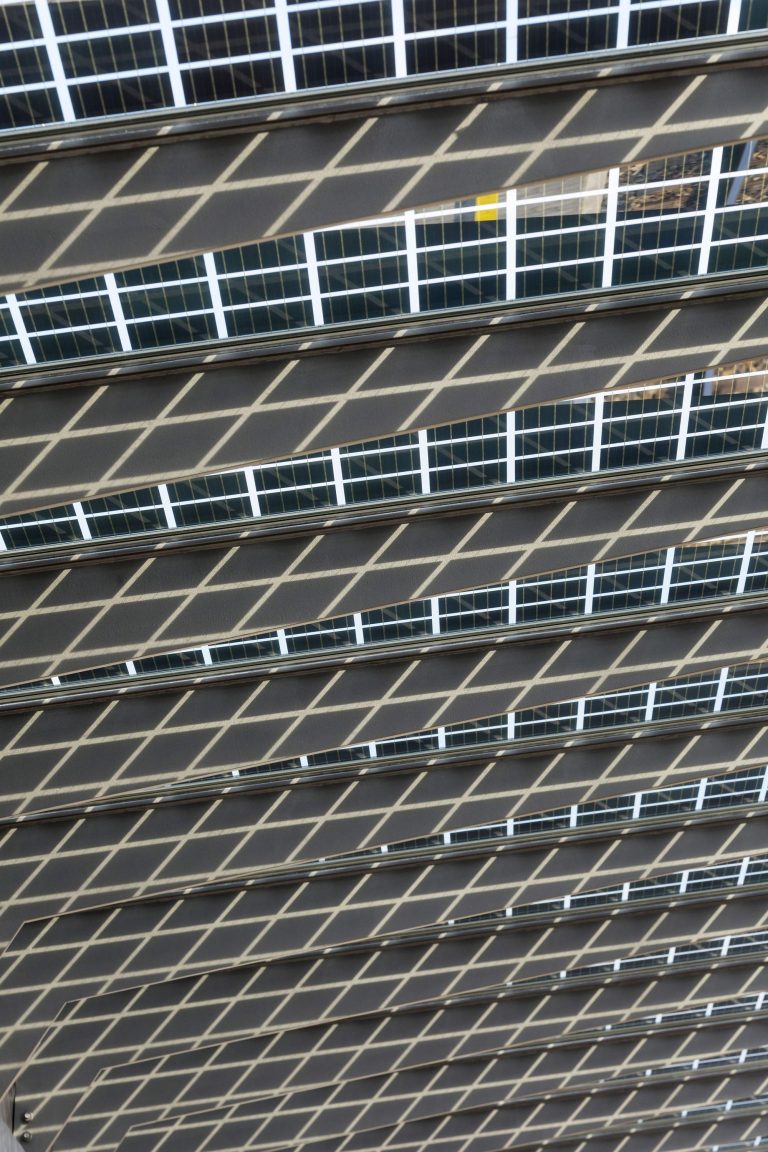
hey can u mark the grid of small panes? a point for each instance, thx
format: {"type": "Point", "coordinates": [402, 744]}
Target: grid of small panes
{"type": "Point", "coordinates": [738, 1145]}
{"type": "Point", "coordinates": [753, 1003]}
{"type": "Point", "coordinates": [716, 947]}
{"type": "Point", "coordinates": [737, 873]}
{"type": "Point", "coordinates": [732, 1105]}
{"type": "Point", "coordinates": [727, 790]}
{"type": "Point", "coordinates": [698, 1064]}
{"type": "Point", "coordinates": [701, 213]}
{"type": "Point", "coordinates": [741, 687]}
{"type": "Point", "coordinates": [732, 566]}
{"type": "Point", "coordinates": [705, 415]}
{"type": "Point", "coordinates": [65, 61]}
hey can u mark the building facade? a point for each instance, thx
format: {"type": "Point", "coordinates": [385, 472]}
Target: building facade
{"type": "Point", "coordinates": [383, 576]}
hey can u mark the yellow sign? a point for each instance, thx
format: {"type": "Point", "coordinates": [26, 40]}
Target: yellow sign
{"type": "Point", "coordinates": [492, 211]}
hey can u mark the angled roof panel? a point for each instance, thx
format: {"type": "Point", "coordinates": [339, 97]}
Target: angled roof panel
{"type": "Point", "coordinates": [278, 168]}
{"type": "Point", "coordinates": [476, 1115]}
{"type": "Point", "coordinates": [84, 953]}
{"type": "Point", "coordinates": [678, 217]}
{"type": "Point", "coordinates": [166, 421]}
{"type": "Point", "coordinates": [359, 988]}
{"type": "Point", "coordinates": [172, 598]}
{"type": "Point", "coordinates": [221, 729]}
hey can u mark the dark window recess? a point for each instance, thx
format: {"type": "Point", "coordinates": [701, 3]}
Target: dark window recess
{"type": "Point", "coordinates": [229, 81]}
{"type": "Point", "coordinates": [70, 19]}
{"type": "Point", "coordinates": [344, 66]}
{"type": "Point", "coordinates": [113, 97]}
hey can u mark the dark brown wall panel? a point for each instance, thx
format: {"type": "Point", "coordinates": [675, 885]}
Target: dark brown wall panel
{"type": "Point", "coordinates": [369, 978]}
{"type": "Point", "coordinates": [233, 1073]}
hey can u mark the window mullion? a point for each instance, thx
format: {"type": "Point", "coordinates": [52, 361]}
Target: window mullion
{"type": "Point", "coordinates": [82, 521]}
{"type": "Point", "coordinates": [398, 37]}
{"type": "Point", "coordinates": [116, 305]}
{"type": "Point", "coordinates": [511, 244]}
{"type": "Point", "coordinates": [720, 693]}
{"type": "Point", "coordinates": [685, 416]}
{"type": "Point", "coordinates": [21, 329]}
{"type": "Point", "coordinates": [253, 495]}
{"type": "Point", "coordinates": [165, 502]}
{"type": "Point", "coordinates": [734, 17]}
{"type": "Point", "coordinates": [510, 438]}
{"type": "Point", "coordinates": [581, 711]}
{"type": "Point", "coordinates": [55, 61]}
{"type": "Point", "coordinates": [338, 478]}
{"type": "Point", "coordinates": [589, 591]}
{"type": "Point", "coordinates": [412, 261]}
{"type": "Point", "coordinates": [713, 187]}
{"type": "Point", "coordinates": [622, 24]}
{"type": "Point", "coordinates": [214, 290]}
{"type": "Point", "coordinates": [597, 431]}
{"type": "Point", "coordinates": [701, 794]}
{"type": "Point", "coordinates": [763, 787]}
{"type": "Point", "coordinates": [611, 212]}
{"type": "Point", "coordinates": [650, 702]}
{"type": "Point", "coordinates": [424, 461]}
{"type": "Point", "coordinates": [510, 28]}
{"type": "Point", "coordinates": [666, 579]}
{"type": "Point", "coordinates": [313, 278]}
{"type": "Point", "coordinates": [746, 558]}
{"type": "Point", "coordinates": [285, 45]}
{"type": "Point", "coordinates": [512, 601]}
{"type": "Point", "coordinates": [171, 55]}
